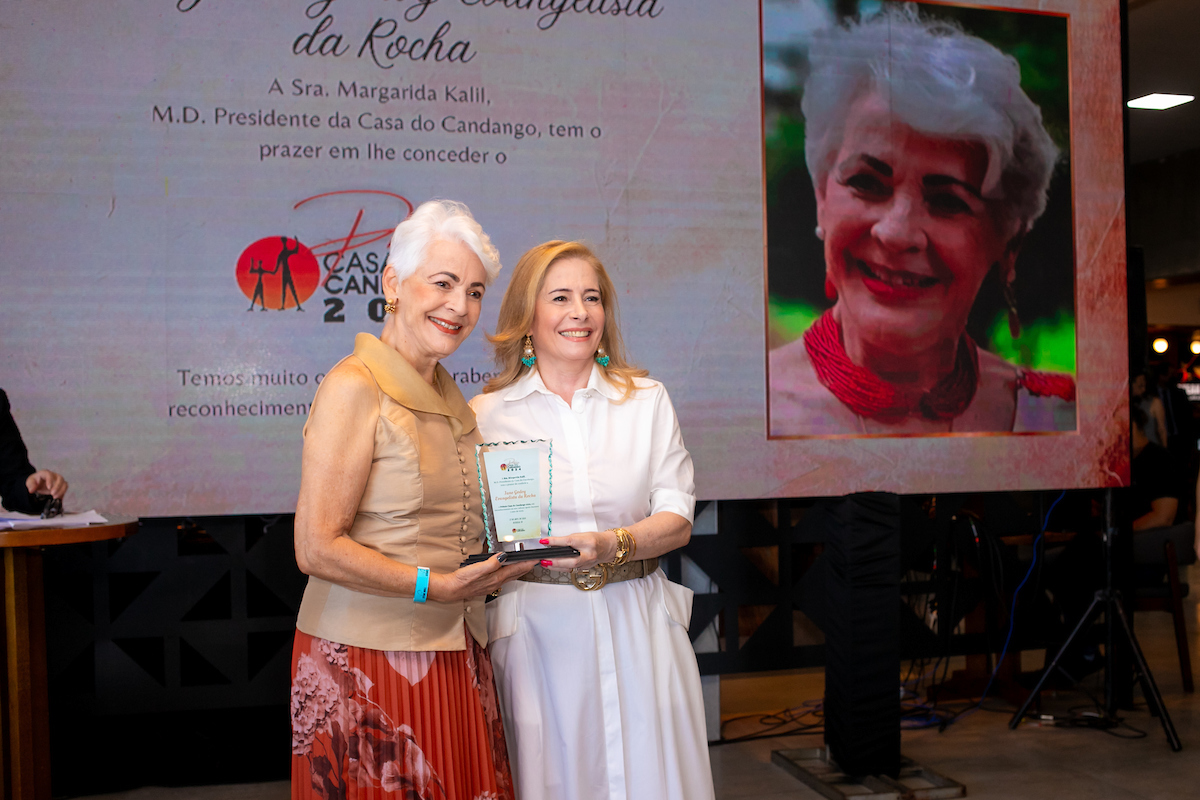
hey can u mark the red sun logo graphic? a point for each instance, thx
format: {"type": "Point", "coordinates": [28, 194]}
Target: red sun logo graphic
{"type": "Point", "coordinates": [277, 273]}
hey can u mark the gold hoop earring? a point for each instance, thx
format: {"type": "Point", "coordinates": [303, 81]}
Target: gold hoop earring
{"type": "Point", "coordinates": [390, 306]}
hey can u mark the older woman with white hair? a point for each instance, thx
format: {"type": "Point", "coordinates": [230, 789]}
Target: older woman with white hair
{"type": "Point", "coordinates": [392, 689]}
{"type": "Point", "coordinates": [930, 165]}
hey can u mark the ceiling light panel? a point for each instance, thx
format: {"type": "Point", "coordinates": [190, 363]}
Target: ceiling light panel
{"type": "Point", "coordinates": [1160, 102]}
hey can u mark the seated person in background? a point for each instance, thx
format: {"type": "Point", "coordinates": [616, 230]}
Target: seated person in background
{"type": "Point", "coordinates": [19, 481]}
{"type": "Point", "coordinates": [1154, 491]}
{"type": "Point", "coordinates": [1155, 495]}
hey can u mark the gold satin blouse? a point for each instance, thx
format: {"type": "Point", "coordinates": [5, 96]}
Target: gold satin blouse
{"type": "Point", "coordinates": [421, 507]}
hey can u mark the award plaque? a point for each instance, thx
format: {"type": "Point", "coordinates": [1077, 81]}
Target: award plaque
{"type": "Point", "coordinates": [516, 482]}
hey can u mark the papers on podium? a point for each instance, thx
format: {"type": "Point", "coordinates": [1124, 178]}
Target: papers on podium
{"type": "Point", "coordinates": [16, 521]}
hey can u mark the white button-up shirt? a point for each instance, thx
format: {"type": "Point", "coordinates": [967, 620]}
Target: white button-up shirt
{"type": "Point", "coordinates": [599, 690]}
{"type": "Point", "coordinates": [615, 463]}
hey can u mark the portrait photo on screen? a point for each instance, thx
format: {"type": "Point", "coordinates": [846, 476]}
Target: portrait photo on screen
{"type": "Point", "coordinates": [920, 271]}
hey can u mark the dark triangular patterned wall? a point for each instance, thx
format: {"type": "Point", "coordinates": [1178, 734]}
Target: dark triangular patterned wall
{"type": "Point", "coordinates": [184, 615]}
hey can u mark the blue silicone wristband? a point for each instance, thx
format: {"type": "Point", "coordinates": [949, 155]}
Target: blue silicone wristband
{"type": "Point", "coordinates": [421, 593]}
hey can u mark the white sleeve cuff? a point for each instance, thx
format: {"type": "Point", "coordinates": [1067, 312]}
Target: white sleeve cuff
{"type": "Point", "coordinates": [676, 502]}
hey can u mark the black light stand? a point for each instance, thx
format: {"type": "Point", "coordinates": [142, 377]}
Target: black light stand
{"type": "Point", "coordinates": [1108, 601]}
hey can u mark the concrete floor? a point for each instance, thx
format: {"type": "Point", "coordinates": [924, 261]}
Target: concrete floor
{"type": "Point", "coordinates": [1031, 763]}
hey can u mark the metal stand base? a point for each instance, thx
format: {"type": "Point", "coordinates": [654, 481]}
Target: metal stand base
{"type": "Point", "coordinates": [1109, 602]}
{"type": "Point", "coordinates": [812, 766]}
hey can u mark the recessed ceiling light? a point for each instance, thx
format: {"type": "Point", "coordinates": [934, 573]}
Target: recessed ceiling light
{"type": "Point", "coordinates": [1159, 102]}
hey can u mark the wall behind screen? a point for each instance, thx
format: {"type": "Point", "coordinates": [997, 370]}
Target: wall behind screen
{"type": "Point", "coordinates": [147, 174]}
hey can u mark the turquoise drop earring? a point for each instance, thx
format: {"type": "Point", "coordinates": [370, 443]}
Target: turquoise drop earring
{"type": "Point", "coordinates": [601, 356]}
{"type": "Point", "coordinates": [528, 359]}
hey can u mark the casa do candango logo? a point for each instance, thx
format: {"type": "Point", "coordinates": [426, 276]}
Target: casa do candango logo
{"type": "Point", "coordinates": [282, 273]}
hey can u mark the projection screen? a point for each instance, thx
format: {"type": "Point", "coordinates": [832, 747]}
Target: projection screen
{"type": "Point", "coordinates": [196, 198]}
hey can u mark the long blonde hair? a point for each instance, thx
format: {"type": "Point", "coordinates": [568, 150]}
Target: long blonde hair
{"type": "Point", "coordinates": [517, 312]}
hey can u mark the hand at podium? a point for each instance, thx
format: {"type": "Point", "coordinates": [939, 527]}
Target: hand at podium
{"type": "Point", "coordinates": [46, 482]}
{"type": "Point", "coordinates": [19, 480]}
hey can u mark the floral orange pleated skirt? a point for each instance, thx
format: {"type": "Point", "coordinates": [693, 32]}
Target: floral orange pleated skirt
{"type": "Point", "coordinates": [395, 725]}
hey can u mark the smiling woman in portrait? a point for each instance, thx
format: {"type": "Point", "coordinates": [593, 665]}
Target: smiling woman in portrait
{"type": "Point", "coordinates": [930, 165]}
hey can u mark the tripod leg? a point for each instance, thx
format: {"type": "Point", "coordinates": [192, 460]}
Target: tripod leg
{"type": "Point", "coordinates": [1149, 688]}
{"type": "Point", "coordinates": [1079, 626]}
{"type": "Point", "coordinates": [1144, 674]}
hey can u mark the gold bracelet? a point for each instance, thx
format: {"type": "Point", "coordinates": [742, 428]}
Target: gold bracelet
{"type": "Point", "coordinates": [626, 547]}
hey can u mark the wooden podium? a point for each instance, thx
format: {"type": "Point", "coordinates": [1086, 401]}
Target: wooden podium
{"type": "Point", "coordinates": [24, 705]}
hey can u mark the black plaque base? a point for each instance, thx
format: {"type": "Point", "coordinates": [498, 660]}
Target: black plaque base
{"type": "Point", "coordinates": [517, 556]}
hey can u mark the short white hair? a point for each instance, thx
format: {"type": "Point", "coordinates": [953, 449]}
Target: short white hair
{"type": "Point", "coordinates": [436, 220]}
{"type": "Point", "coordinates": [939, 81]}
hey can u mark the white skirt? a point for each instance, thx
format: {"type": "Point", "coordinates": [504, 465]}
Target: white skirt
{"type": "Point", "coordinates": [599, 691]}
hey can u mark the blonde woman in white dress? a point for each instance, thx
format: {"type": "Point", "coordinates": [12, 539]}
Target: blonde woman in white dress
{"type": "Point", "coordinates": [598, 682]}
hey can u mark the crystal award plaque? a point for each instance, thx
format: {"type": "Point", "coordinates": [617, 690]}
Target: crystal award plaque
{"type": "Point", "coordinates": [516, 482]}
